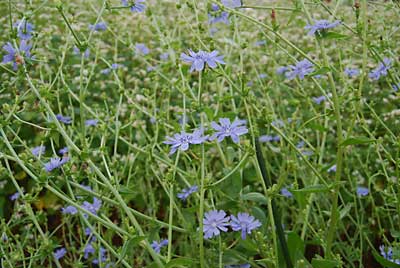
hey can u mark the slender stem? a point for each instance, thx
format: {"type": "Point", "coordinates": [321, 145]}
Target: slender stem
{"type": "Point", "coordinates": [201, 207]}
{"type": "Point", "coordinates": [60, 9]}
{"type": "Point", "coordinates": [81, 103]}
{"type": "Point", "coordinates": [275, 211]}
{"type": "Point", "coordinates": [220, 252]}
{"type": "Point", "coordinates": [270, 8]}
{"type": "Point", "coordinates": [170, 221]}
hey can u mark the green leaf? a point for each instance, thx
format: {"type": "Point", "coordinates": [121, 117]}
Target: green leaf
{"type": "Point", "coordinates": [296, 247]}
{"type": "Point", "coordinates": [357, 140]}
{"type": "Point", "coordinates": [129, 245]}
{"type": "Point", "coordinates": [318, 188]}
{"type": "Point", "coordinates": [384, 261]}
{"type": "Point", "coordinates": [334, 35]}
{"type": "Point", "coordinates": [317, 127]}
{"type": "Point", "coordinates": [394, 233]}
{"type": "Point", "coordinates": [123, 190]}
{"type": "Point", "coordinates": [259, 214]}
{"type": "Point", "coordinates": [344, 211]}
{"type": "Point", "coordinates": [180, 262]}
{"type": "Point", "coordinates": [323, 263]}
{"type": "Point", "coordinates": [322, 70]}
{"type": "Point", "coordinates": [256, 197]}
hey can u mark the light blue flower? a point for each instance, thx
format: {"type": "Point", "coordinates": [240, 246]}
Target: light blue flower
{"type": "Point", "coordinates": [244, 223]}
{"type": "Point", "coordinates": [214, 222]}
{"type": "Point", "coordinates": [226, 129]}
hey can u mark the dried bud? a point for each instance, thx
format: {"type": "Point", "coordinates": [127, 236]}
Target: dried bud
{"type": "Point", "coordinates": [273, 15]}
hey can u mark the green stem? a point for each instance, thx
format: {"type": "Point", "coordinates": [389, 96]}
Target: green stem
{"type": "Point", "coordinates": [201, 207]}
{"type": "Point", "coordinates": [60, 9]}
{"type": "Point", "coordinates": [81, 103]}
{"type": "Point", "coordinates": [171, 216]}
{"type": "Point", "coordinates": [274, 209]}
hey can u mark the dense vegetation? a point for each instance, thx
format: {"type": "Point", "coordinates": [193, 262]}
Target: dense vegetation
{"type": "Point", "coordinates": [214, 133]}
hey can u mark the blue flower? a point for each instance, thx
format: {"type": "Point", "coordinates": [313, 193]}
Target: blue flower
{"type": "Point", "coordinates": [89, 249]}
{"type": "Point", "coordinates": [102, 257]}
{"type": "Point", "coordinates": [69, 210]}
{"type": "Point", "coordinates": [55, 162]}
{"type": "Point", "coordinates": [278, 123]}
{"type": "Point", "coordinates": [352, 72]}
{"type": "Point", "coordinates": [214, 222]}
{"type": "Point", "coordinates": [226, 129]}
{"type": "Point", "coordinates": [142, 49]}
{"type": "Point", "coordinates": [59, 253]}
{"type": "Point", "coordinates": [214, 7]}
{"type": "Point", "coordinates": [301, 69]}
{"type": "Point", "coordinates": [388, 254]}
{"type": "Point", "coordinates": [64, 119]}
{"type": "Point", "coordinates": [196, 59]}
{"type": "Point", "coordinates": [244, 223]}
{"type": "Point", "coordinates": [212, 59]}
{"type": "Point", "coordinates": [281, 70]}
{"type": "Point", "coordinates": [164, 56]}
{"type": "Point", "coordinates": [396, 87]}
{"type": "Point", "coordinates": [91, 122]}
{"type": "Point", "coordinates": [381, 70]}
{"type": "Point", "coordinates": [92, 207]}
{"type": "Point", "coordinates": [232, 3]}
{"type": "Point", "coordinates": [321, 25]}
{"type": "Point", "coordinates": [199, 59]}
{"type": "Point", "coordinates": [187, 191]}
{"type": "Point", "coordinates": [114, 66]}
{"type": "Point", "coordinates": [285, 192]}
{"type": "Point", "coordinates": [224, 18]}
{"type": "Point", "coordinates": [362, 191]}
{"type": "Point", "coordinates": [137, 6]}
{"type": "Point", "coordinates": [158, 245]}
{"type": "Point", "coordinates": [262, 76]}
{"type": "Point", "coordinates": [39, 150]}
{"type": "Point", "coordinates": [245, 265]}
{"type": "Point", "coordinates": [260, 43]}
{"type": "Point", "coordinates": [151, 68]}
{"type": "Point", "coordinates": [88, 231]}
{"type": "Point", "coordinates": [24, 29]}
{"type": "Point", "coordinates": [319, 99]}
{"type": "Point", "coordinates": [269, 138]}
{"type": "Point", "coordinates": [4, 237]}
{"type": "Point", "coordinates": [63, 151]}
{"type": "Point", "coordinates": [101, 26]}
{"type": "Point", "coordinates": [15, 196]}
{"type": "Point", "coordinates": [12, 54]}
{"type": "Point", "coordinates": [86, 54]}
{"type": "Point", "coordinates": [332, 169]}
{"type": "Point", "coordinates": [182, 140]}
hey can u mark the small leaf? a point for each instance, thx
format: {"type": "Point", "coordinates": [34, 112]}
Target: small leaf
{"type": "Point", "coordinates": [322, 70]}
{"type": "Point", "coordinates": [323, 263]}
{"type": "Point", "coordinates": [180, 262]}
{"type": "Point", "coordinates": [259, 214]}
{"type": "Point", "coordinates": [334, 35]}
{"type": "Point", "coordinates": [344, 211]}
{"type": "Point", "coordinates": [123, 190]}
{"type": "Point", "coordinates": [318, 127]}
{"type": "Point", "coordinates": [357, 140]}
{"type": "Point", "coordinates": [129, 244]}
{"type": "Point", "coordinates": [256, 197]}
{"type": "Point", "coordinates": [318, 188]}
{"type": "Point", "coordinates": [395, 234]}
